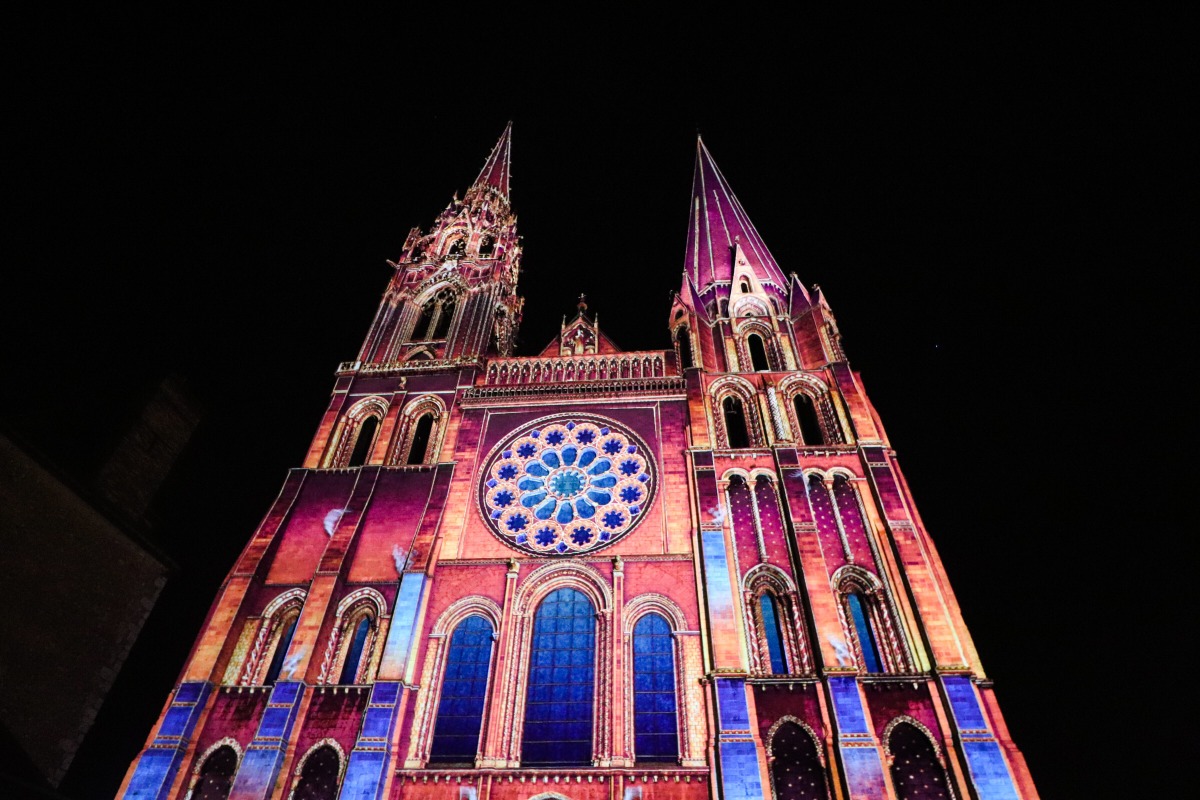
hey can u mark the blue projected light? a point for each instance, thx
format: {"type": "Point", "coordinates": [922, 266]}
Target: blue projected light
{"type": "Point", "coordinates": [773, 633]}
{"type": "Point", "coordinates": [558, 708]}
{"type": "Point", "coordinates": [460, 712]}
{"type": "Point", "coordinates": [866, 639]}
{"type": "Point", "coordinates": [655, 730]}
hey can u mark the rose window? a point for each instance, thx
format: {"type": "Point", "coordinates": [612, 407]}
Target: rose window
{"type": "Point", "coordinates": [567, 486]}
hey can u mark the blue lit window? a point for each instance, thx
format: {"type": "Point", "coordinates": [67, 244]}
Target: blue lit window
{"type": "Point", "coordinates": [655, 731]}
{"type": "Point", "coordinates": [460, 712]}
{"type": "Point", "coordinates": [866, 638]}
{"type": "Point", "coordinates": [354, 654]}
{"type": "Point", "coordinates": [285, 641]}
{"type": "Point", "coordinates": [558, 709]}
{"type": "Point", "coordinates": [773, 633]}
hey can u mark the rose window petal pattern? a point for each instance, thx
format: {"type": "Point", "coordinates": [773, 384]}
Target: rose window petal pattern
{"type": "Point", "coordinates": [566, 486]}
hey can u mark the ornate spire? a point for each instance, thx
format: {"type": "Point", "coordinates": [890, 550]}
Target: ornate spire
{"type": "Point", "coordinates": [495, 170]}
{"type": "Point", "coordinates": [720, 232]}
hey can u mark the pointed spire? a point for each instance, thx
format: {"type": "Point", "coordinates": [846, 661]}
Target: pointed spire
{"type": "Point", "coordinates": [495, 170]}
{"type": "Point", "coordinates": [719, 231]}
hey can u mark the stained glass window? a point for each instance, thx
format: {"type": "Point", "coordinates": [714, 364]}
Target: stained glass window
{"type": "Point", "coordinates": [916, 772]}
{"type": "Point", "coordinates": [558, 708]}
{"type": "Point", "coordinates": [464, 689]}
{"type": "Point", "coordinates": [285, 641]}
{"type": "Point", "coordinates": [656, 735]}
{"type": "Point", "coordinates": [796, 770]}
{"type": "Point", "coordinates": [771, 629]}
{"type": "Point", "coordinates": [216, 775]}
{"type": "Point", "coordinates": [354, 654]}
{"type": "Point", "coordinates": [319, 776]}
{"type": "Point", "coordinates": [866, 638]}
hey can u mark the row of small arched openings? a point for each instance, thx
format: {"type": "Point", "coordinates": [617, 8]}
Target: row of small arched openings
{"type": "Point", "coordinates": [752, 348]}
{"type": "Point", "coordinates": [418, 436]}
{"type": "Point", "coordinates": [798, 768]}
{"type": "Point", "coordinates": [809, 411]}
{"type": "Point", "coordinates": [318, 773]}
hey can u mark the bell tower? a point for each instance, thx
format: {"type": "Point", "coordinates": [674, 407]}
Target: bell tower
{"type": "Point", "coordinates": [839, 661]}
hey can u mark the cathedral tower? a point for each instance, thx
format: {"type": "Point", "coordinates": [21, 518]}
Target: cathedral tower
{"type": "Point", "coordinates": [588, 573]}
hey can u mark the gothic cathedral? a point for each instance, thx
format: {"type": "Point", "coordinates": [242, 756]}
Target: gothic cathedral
{"type": "Point", "coordinates": [589, 573]}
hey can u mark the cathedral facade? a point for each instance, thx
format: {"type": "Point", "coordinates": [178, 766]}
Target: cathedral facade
{"type": "Point", "coordinates": [589, 573]}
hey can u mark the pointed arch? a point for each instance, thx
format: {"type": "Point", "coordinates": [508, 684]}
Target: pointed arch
{"type": "Point", "coordinates": [344, 444]}
{"type": "Point", "coordinates": [797, 761]}
{"type": "Point", "coordinates": [422, 426]}
{"type": "Point", "coordinates": [318, 774]}
{"type": "Point", "coordinates": [638, 609]}
{"type": "Point", "coordinates": [684, 349]}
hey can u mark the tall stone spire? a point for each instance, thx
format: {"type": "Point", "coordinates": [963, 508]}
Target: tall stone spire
{"type": "Point", "coordinates": [720, 233]}
{"type": "Point", "coordinates": [496, 169]}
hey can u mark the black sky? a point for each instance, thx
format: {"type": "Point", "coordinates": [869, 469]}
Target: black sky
{"type": "Point", "coordinates": [981, 207]}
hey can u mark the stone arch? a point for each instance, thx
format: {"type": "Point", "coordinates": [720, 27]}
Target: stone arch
{"type": "Point", "coordinates": [271, 625]}
{"type": "Point", "coordinates": [919, 771]}
{"type": "Point", "coordinates": [210, 751]}
{"type": "Point", "coordinates": [408, 424]}
{"type": "Point", "coordinates": [653, 603]}
{"type": "Point", "coordinates": [733, 386]}
{"type": "Point", "coordinates": [363, 602]}
{"type": "Point", "coordinates": [784, 766]}
{"type": "Point", "coordinates": [304, 760]}
{"type": "Point", "coordinates": [434, 672]}
{"type": "Point", "coordinates": [767, 579]}
{"type": "Point", "coordinates": [818, 394]}
{"type": "Point", "coordinates": [760, 327]}
{"type": "Point", "coordinates": [880, 617]}
{"type": "Point", "coordinates": [344, 440]}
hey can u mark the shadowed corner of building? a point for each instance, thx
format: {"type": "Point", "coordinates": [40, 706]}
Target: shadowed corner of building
{"type": "Point", "coordinates": [68, 625]}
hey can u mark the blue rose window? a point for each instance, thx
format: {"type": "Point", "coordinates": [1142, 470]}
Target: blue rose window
{"type": "Point", "coordinates": [567, 486]}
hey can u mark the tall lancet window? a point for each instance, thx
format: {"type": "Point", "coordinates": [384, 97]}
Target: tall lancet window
{"type": "Point", "coordinates": [420, 442]}
{"type": "Point", "coordinates": [656, 736]}
{"type": "Point", "coordinates": [364, 438]}
{"type": "Point", "coordinates": [445, 317]}
{"type": "Point", "coordinates": [773, 633]}
{"type": "Point", "coordinates": [354, 654]}
{"type": "Point", "coordinates": [420, 330]}
{"type": "Point", "coordinates": [464, 690]}
{"type": "Point", "coordinates": [917, 773]}
{"type": "Point", "coordinates": [862, 628]}
{"type": "Point", "coordinates": [735, 422]}
{"type": "Point", "coordinates": [758, 353]}
{"type": "Point", "coordinates": [562, 672]}
{"type": "Point", "coordinates": [281, 648]}
{"type": "Point", "coordinates": [684, 342]}
{"type": "Point", "coordinates": [806, 415]}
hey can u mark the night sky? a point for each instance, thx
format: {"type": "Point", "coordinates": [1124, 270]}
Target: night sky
{"type": "Point", "coordinates": [217, 201]}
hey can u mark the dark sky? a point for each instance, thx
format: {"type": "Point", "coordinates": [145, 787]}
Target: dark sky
{"type": "Point", "coordinates": [217, 199]}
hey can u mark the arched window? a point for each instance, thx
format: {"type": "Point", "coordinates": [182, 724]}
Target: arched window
{"type": "Point", "coordinates": [420, 439]}
{"type": "Point", "coordinates": [464, 689]}
{"type": "Point", "coordinates": [758, 353]}
{"type": "Point", "coordinates": [420, 330]}
{"type": "Point", "coordinates": [656, 736]}
{"type": "Point", "coordinates": [862, 629]}
{"type": "Point", "coordinates": [457, 248]}
{"type": "Point", "coordinates": [558, 708]}
{"type": "Point", "coordinates": [917, 773]}
{"type": "Point", "coordinates": [350, 666]}
{"type": "Point", "coordinates": [216, 775]}
{"type": "Point", "coordinates": [364, 438]}
{"type": "Point", "coordinates": [684, 342]}
{"type": "Point", "coordinates": [445, 316]}
{"type": "Point", "coordinates": [745, 287]}
{"type": "Point", "coordinates": [486, 244]}
{"type": "Point", "coordinates": [319, 776]}
{"type": "Point", "coordinates": [735, 422]}
{"type": "Point", "coordinates": [773, 633]}
{"type": "Point", "coordinates": [806, 415]}
{"type": "Point", "coordinates": [796, 769]}
{"type": "Point", "coordinates": [288, 628]}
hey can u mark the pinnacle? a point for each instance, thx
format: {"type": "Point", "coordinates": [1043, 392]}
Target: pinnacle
{"type": "Point", "coordinates": [496, 169]}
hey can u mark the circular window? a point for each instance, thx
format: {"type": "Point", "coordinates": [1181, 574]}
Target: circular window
{"type": "Point", "coordinates": [566, 485]}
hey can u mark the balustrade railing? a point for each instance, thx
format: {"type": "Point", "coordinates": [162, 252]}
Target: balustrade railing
{"type": "Point", "coordinates": [572, 369]}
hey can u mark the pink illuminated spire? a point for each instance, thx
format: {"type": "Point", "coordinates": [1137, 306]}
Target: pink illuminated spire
{"type": "Point", "coordinates": [495, 170]}
{"type": "Point", "coordinates": [717, 226]}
